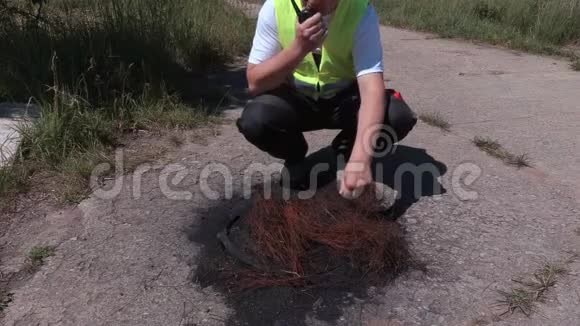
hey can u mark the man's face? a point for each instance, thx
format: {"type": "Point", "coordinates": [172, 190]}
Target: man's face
{"type": "Point", "coordinates": [324, 7]}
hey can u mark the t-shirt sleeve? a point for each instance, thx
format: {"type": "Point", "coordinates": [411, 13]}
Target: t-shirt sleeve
{"type": "Point", "coordinates": [266, 43]}
{"type": "Point", "coordinates": [367, 49]}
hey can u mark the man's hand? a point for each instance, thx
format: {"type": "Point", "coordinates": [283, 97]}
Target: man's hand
{"type": "Point", "coordinates": [355, 177]}
{"type": "Point", "coordinates": [273, 72]}
{"type": "Point", "coordinates": [310, 34]}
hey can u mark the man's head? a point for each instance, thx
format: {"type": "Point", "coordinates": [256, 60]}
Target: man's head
{"type": "Point", "coordinates": [324, 7]}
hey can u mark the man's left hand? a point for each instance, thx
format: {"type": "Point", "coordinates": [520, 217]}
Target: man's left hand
{"type": "Point", "coordinates": [354, 178]}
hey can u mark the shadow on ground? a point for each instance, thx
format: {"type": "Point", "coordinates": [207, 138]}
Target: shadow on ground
{"type": "Point", "coordinates": [411, 171]}
{"type": "Point", "coordinates": [294, 306]}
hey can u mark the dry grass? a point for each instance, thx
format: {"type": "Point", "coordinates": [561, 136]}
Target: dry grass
{"type": "Point", "coordinates": [13, 179]}
{"type": "Point", "coordinates": [176, 140]}
{"type": "Point", "coordinates": [490, 146]}
{"type": "Point", "coordinates": [435, 119]}
{"type": "Point", "coordinates": [495, 149]}
{"type": "Point", "coordinates": [5, 299]}
{"type": "Point", "coordinates": [518, 299]}
{"type": "Point", "coordinates": [576, 64]}
{"type": "Point", "coordinates": [524, 297]}
{"type": "Point", "coordinates": [519, 161]}
{"type": "Point", "coordinates": [479, 322]}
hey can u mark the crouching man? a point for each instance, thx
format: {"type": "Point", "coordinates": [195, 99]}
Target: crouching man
{"type": "Point", "coordinates": [318, 64]}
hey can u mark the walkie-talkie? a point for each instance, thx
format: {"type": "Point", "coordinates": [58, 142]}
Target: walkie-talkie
{"type": "Point", "coordinates": [303, 14]}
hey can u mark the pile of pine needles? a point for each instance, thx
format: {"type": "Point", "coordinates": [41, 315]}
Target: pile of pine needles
{"type": "Point", "coordinates": [322, 241]}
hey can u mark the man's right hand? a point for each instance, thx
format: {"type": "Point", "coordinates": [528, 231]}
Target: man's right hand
{"type": "Point", "coordinates": [273, 72]}
{"type": "Point", "coordinates": [310, 34]}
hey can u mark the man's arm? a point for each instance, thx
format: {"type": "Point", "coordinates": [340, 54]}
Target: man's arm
{"type": "Point", "coordinates": [273, 72]}
{"type": "Point", "coordinates": [357, 172]}
{"type": "Point", "coordinates": [371, 116]}
{"type": "Point", "coordinates": [368, 60]}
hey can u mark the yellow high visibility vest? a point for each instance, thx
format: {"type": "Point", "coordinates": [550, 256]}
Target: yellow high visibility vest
{"type": "Point", "coordinates": [336, 65]}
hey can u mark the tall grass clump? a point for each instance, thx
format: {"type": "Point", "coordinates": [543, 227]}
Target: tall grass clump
{"type": "Point", "coordinates": [535, 25]}
{"type": "Point", "coordinates": [99, 68]}
{"type": "Point", "coordinates": [71, 136]}
{"type": "Point", "coordinates": [107, 45]}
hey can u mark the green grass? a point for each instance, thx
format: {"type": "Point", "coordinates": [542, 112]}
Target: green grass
{"type": "Point", "coordinates": [37, 255]}
{"type": "Point", "coordinates": [541, 26]}
{"type": "Point", "coordinates": [108, 47]}
{"type": "Point", "coordinates": [100, 69]}
{"type": "Point", "coordinates": [68, 142]}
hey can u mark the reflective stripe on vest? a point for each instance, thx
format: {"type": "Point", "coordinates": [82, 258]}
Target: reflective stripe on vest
{"type": "Point", "coordinates": [337, 66]}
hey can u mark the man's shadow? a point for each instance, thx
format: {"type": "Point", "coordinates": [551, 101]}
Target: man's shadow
{"type": "Point", "coordinates": [413, 173]}
{"type": "Point", "coordinates": [410, 171]}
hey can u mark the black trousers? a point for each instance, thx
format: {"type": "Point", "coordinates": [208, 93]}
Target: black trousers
{"type": "Point", "coordinates": [275, 121]}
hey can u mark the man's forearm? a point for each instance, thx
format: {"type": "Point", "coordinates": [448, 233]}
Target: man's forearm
{"type": "Point", "coordinates": [273, 72]}
{"type": "Point", "coordinates": [370, 118]}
